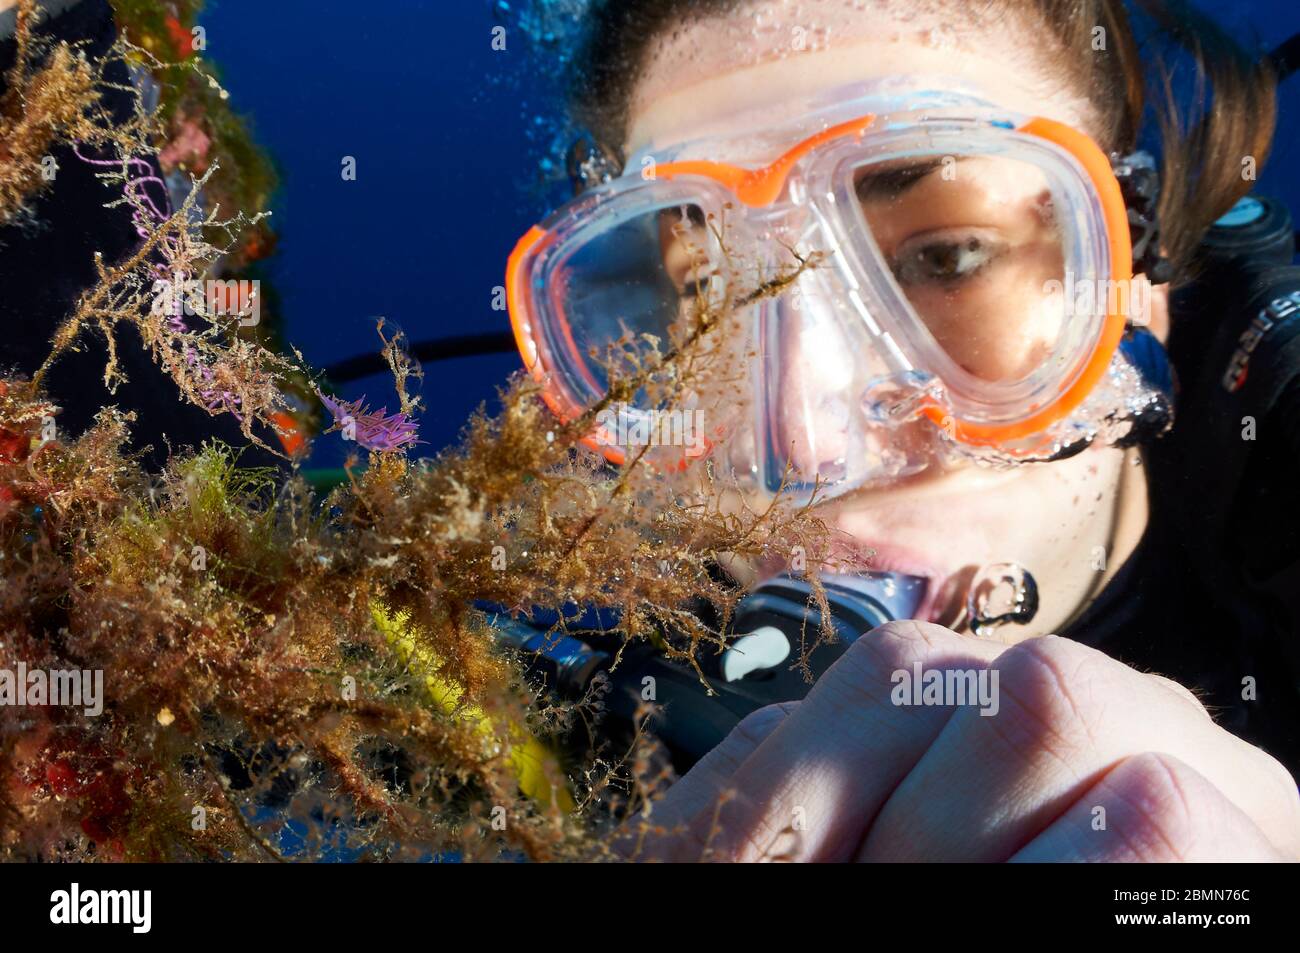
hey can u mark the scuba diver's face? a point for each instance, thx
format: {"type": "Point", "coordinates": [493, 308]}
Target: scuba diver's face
{"type": "Point", "coordinates": [1071, 522]}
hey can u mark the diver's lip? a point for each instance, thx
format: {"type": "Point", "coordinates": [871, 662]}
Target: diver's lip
{"type": "Point", "coordinates": [884, 557]}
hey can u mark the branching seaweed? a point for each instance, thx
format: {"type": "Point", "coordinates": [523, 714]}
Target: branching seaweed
{"type": "Point", "coordinates": [288, 675]}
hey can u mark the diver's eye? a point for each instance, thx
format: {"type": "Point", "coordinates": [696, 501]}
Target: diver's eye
{"type": "Point", "coordinates": [945, 258]}
{"type": "Point", "coordinates": [698, 286]}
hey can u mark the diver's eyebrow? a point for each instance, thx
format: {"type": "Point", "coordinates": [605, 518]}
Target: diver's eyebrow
{"type": "Point", "coordinates": [892, 183]}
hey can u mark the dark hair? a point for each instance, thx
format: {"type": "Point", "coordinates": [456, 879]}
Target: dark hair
{"type": "Point", "coordinates": [1230, 115]}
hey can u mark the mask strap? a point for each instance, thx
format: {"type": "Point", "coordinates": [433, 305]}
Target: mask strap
{"type": "Point", "coordinates": [1155, 416]}
{"type": "Point", "coordinates": [1139, 183]}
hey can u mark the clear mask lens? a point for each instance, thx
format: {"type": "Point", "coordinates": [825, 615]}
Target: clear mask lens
{"type": "Point", "coordinates": [631, 291]}
{"type": "Point", "coordinates": [975, 245]}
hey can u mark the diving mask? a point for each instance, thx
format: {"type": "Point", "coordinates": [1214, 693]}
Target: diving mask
{"type": "Point", "coordinates": [911, 278]}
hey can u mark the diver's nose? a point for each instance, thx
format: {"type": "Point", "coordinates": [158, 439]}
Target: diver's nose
{"type": "Point", "coordinates": [813, 406]}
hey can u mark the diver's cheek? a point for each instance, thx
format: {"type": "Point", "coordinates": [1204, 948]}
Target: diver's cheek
{"type": "Point", "coordinates": [1079, 534]}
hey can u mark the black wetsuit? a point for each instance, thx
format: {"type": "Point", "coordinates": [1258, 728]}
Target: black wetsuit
{"type": "Point", "coordinates": [1199, 600]}
{"type": "Point", "coordinates": [1160, 614]}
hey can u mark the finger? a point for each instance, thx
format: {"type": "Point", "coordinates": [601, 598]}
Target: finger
{"type": "Point", "coordinates": [663, 834]}
{"type": "Point", "coordinates": [1067, 714]}
{"type": "Point", "coordinates": [1151, 808]}
{"type": "Point", "coordinates": [1182, 692]}
{"type": "Point", "coordinates": [712, 773]}
{"type": "Point", "coordinates": [807, 792]}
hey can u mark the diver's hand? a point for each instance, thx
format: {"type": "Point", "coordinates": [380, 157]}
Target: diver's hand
{"type": "Point", "coordinates": [1084, 759]}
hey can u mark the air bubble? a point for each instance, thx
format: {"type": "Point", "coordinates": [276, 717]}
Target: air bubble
{"type": "Point", "coordinates": [1001, 594]}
